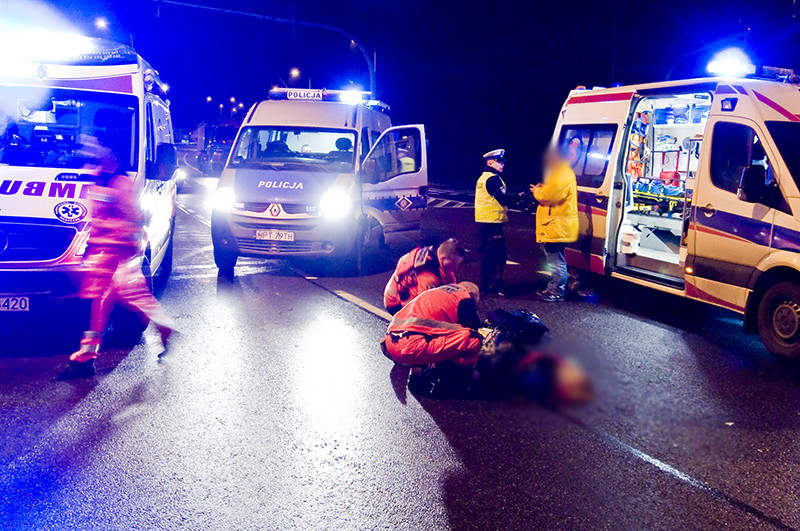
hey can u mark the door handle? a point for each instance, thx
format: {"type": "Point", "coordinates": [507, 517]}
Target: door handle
{"type": "Point", "coordinates": [600, 197]}
{"type": "Point", "coordinates": [708, 210]}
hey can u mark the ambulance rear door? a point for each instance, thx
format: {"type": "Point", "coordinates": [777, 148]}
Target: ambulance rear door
{"type": "Point", "coordinates": [589, 134]}
{"type": "Point", "coordinates": [394, 177]}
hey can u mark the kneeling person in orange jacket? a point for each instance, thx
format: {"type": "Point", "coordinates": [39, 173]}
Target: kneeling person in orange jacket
{"type": "Point", "coordinates": [422, 269]}
{"type": "Point", "coordinates": [438, 325]}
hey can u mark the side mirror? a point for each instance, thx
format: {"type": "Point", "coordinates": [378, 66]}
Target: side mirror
{"type": "Point", "coordinates": [369, 172]}
{"type": "Point", "coordinates": [165, 164]}
{"type": "Point", "coordinates": [753, 183]}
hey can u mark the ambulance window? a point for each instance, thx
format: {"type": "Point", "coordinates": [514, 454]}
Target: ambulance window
{"type": "Point", "coordinates": [734, 147]}
{"type": "Point", "coordinates": [787, 138]}
{"type": "Point", "coordinates": [588, 149]}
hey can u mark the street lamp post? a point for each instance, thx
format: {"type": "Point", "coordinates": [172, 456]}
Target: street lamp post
{"type": "Point", "coordinates": [353, 42]}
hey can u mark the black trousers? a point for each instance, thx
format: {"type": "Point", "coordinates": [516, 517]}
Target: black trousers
{"type": "Point", "coordinates": [493, 247]}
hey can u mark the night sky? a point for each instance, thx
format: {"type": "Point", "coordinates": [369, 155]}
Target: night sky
{"type": "Point", "coordinates": [479, 75]}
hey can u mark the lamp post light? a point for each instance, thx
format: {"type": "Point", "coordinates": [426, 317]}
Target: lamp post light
{"type": "Point", "coordinates": [101, 23]}
{"type": "Point", "coordinates": [233, 100]}
{"type": "Point", "coordinates": [294, 73]}
{"type": "Point", "coordinates": [208, 99]}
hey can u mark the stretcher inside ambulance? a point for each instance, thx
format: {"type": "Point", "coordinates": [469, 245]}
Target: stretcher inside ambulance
{"type": "Point", "coordinates": [48, 108]}
{"type": "Point", "coordinates": [691, 187]}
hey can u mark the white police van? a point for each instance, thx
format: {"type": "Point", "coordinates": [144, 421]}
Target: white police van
{"type": "Point", "coordinates": [693, 188]}
{"type": "Point", "coordinates": [319, 173]}
{"type": "Point", "coordinates": [47, 102]}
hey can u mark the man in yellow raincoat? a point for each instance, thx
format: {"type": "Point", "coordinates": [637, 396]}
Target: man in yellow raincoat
{"type": "Point", "coordinates": [556, 219]}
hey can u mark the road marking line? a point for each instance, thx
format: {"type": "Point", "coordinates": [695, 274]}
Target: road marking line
{"type": "Point", "coordinates": [195, 216]}
{"type": "Point", "coordinates": [192, 166]}
{"type": "Point", "coordinates": [345, 296]}
{"type": "Point", "coordinates": [443, 204]}
{"type": "Point", "coordinates": [674, 472]}
{"type": "Point", "coordinates": [364, 305]}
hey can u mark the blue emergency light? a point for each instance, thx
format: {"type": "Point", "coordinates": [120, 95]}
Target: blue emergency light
{"type": "Point", "coordinates": [352, 97]}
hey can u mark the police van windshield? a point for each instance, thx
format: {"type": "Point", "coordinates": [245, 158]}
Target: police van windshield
{"type": "Point", "coordinates": [327, 150]}
{"type": "Point", "coordinates": [42, 127]}
{"type": "Point", "coordinates": [787, 138]}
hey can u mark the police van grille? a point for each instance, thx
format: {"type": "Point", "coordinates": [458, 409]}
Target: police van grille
{"type": "Point", "coordinates": [267, 246]}
{"type": "Point", "coordinates": [255, 207]}
{"type": "Point", "coordinates": [289, 208]}
{"type": "Point", "coordinates": [33, 242]}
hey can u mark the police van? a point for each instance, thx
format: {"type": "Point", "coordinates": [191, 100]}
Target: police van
{"type": "Point", "coordinates": [319, 173]}
{"type": "Point", "coordinates": [48, 103]}
{"type": "Point", "coordinates": [693, 188]}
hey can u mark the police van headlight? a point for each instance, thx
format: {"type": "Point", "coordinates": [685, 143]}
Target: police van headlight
{"type": "Point", "coordinates": [180, 174]}
{"type": "Point", "coordinates": [336, 204]}
{"type": "Point", "coordinates": [224, 199]}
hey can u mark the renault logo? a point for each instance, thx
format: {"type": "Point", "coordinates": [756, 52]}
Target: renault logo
{"type": "Point", "coordinates": [274, 210]}
{"type": "Point", "coordinates": [3, 242]}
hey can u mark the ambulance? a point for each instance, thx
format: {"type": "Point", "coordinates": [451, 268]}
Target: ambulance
{"type": "Point", "coordinates": [319, 174]}
{"type": "Point", "coordinates": [56, 89]}
{"type": "Point", "coordinates": [693, 188]}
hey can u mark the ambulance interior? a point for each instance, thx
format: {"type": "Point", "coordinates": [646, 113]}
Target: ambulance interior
{"type": "Point", "coordinates": [661, 157]}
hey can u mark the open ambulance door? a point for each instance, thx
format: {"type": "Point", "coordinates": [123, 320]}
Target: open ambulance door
{"type": "Point", "coordinates": [394, 179]}
{"type": "Point", "coordinates": [591, 151]}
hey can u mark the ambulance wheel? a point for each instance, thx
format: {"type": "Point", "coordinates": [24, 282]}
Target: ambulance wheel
{"type": "Point", "coordinates": [225, 260]}
{"type": "Point", "coordinates": [779, 319]}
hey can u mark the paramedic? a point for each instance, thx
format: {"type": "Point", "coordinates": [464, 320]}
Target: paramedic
{"type": "Point", "coordinates": [422, 269]}
{"type": "Point", "coordinates": [113, 254]}
{"type": "Point", "coordinates": [438, 325]}
{"type": "Point", "coordinates": [556, 219]}
{"type": "Point", "coordinates": [491, 213]}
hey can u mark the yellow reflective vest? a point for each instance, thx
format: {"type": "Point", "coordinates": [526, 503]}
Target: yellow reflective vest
{"type": "Point", "coordinates": [487, 208]}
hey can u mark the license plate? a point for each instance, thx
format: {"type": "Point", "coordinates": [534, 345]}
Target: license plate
{"type": "Point", "coordinates": [275, 235]}
{"type": "Point", "coordinates": [14, 304]}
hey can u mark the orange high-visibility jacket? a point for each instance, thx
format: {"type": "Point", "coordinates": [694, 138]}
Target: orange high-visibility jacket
{"type": "Point", "coordinates": [434, 312]}
{"type": "Point", "coordinates": [416, 272]}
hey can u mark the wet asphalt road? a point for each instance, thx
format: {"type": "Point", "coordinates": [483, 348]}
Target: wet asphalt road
{"type": "Point", "coordinates": [274, 409]}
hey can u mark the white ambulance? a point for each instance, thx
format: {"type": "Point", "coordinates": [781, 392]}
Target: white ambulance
{"type": "Point", "coordinates": [319, 173]}
{"type": "Point", "coordinates": [693, 188]}
{"type": "Point", "coordinates": [47, 103]}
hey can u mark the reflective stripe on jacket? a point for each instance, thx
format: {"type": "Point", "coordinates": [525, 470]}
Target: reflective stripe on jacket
{"type": "Point", "coordinates": [557, 213]}
{"type": "Point", "coordinates": [433, 312]}
{"type": "Point", "coordinates": [487, 208]}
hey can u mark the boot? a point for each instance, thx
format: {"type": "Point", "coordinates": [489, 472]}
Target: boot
{"type": "Point", "coordinates": [90, 346]}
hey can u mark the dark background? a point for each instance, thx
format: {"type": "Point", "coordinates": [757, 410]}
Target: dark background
{"type": "Point", "coordinates": [479, 75]}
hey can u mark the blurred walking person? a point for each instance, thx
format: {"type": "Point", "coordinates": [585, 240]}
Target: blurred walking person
{"type": "Point", "coordinates": [491, 214]}
{"type": "Point", "coordinates": [113, 257]}
{"type": "Point", "coordinates": [556, 219]}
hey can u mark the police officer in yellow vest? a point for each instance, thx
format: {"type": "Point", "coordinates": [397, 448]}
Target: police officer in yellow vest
{"type": "Point", "coordinates": [491, 214]}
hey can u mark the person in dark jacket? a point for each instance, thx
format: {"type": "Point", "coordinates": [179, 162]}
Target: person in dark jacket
{"type": "Point", "coordinates": [491, 214]}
